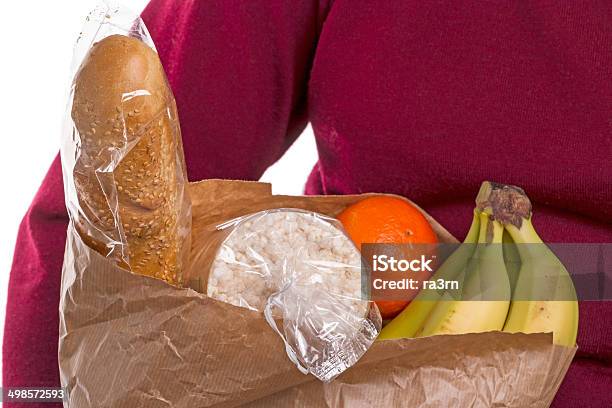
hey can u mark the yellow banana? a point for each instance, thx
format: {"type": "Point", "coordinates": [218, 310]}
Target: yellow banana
{"type": "Point", "coordinates": [411, 319]}
{"type": "Point", "coordinates": [486, 294]}
{"type": "Point", "coordinates": [544, 298]}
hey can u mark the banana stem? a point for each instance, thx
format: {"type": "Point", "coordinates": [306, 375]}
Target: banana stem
{"type": "Point", "coordinates": [483, 271]}
{"type": "Point", "coordinates": [507, 204]}
{"type": "Point", "coordinates": [472, 235]}
{"type": "Point", "coordinates": [511, 208]}
{"type": "Point", "coordinates": [491, 231]}
{"type": "Point", "coordinates": [524, 235]}
{"type": "Point", "coordinates": [528, 243]}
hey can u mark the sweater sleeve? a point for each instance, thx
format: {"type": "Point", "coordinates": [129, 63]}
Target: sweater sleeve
{"type": "Point", "coordinates": [239, 72]}
{"type": "Point", "coordinates": [29, 357]}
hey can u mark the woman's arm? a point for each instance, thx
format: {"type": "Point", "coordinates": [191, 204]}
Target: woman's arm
{"type": "Point", "coordinates": [239, 72]}
{"type": "Point", "coordinates": [29, 355]}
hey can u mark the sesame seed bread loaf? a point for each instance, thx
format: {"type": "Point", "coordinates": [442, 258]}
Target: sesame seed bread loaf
{"type": "Point", "coordinates": [130, 174]}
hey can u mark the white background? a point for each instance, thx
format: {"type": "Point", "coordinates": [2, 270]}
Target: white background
{"type": "Point", "coordinates": [36, 40]}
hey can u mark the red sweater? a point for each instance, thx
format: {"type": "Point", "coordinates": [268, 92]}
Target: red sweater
{"type": "Point", "coordinates": [424, 99]}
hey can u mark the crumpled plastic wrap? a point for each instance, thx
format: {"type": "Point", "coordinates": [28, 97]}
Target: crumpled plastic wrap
{"type": "Point", "coordinates": [125, 180]}
{"type": "Point", "coordinates": [301, 268]}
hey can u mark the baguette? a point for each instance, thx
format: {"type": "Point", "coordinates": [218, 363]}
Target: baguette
{"type": "Point", "coordinates": [129, 175]}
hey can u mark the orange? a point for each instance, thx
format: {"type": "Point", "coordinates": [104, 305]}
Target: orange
{"type": "Point", "coordinates": [384, 219]}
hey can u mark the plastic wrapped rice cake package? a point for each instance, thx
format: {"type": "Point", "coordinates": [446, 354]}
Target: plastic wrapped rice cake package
{"type": "Point", "coordinates": [299, 267]}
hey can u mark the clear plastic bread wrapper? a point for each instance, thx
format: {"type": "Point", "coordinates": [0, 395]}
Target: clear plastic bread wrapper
{"type": "Point", "coordinates": [299, 267]}
{"type": "Point", "coordinates": [124, 172]}
{"type": "Point", "coordinates": [254, 260]}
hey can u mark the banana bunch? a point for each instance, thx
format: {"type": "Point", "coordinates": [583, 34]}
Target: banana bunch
{"type": "Point", "coordinates": [542, 298]}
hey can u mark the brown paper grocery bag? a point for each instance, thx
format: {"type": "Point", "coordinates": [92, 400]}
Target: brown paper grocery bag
{"type": "Point", "coordinates": [134, 341]}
